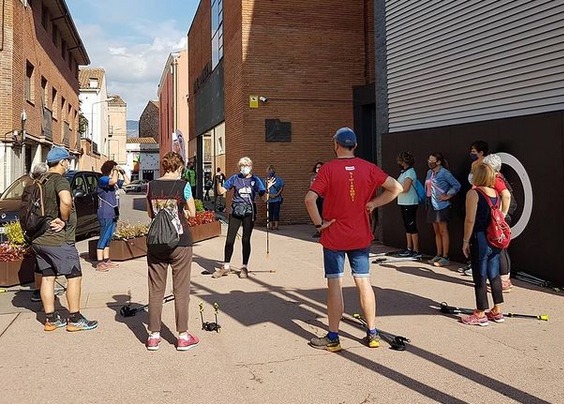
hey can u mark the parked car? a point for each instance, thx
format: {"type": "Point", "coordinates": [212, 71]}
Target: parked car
{"type": "Point", "coordinates": [136, 186]}
{"type": "Point", "coordinates": [83, 188]}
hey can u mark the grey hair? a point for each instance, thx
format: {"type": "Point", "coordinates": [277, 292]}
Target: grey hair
{"type": "Point", "coordinates": [494, 161]}
{"type": "Point", "coordinates": [38, 170]}
{"type": "Point", "coordinates": [245, 161]}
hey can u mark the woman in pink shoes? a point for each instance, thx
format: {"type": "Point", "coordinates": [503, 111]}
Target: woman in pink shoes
{"type": "Point", "coordinates": [483, 256]}
{"type": "Point", "coordinates": [172, 193]}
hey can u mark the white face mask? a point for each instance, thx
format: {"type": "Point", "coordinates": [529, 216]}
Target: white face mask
{"type": "Point", "coordinates": [245, 170]}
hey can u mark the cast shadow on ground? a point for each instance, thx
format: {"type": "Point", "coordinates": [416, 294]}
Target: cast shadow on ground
{"type": "Point", "coordinates": [287, 308]}
{"type": "Point", "coordinates": [138, 323]}
{"type": "Point", "coordinates": [424, 272]}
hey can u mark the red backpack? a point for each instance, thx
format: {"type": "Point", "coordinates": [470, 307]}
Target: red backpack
{"type": "Point", "coordinates": [498, 232]}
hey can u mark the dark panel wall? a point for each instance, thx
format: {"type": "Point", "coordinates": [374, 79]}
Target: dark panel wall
{"type": "Point", "coordinates": [537, 142]}
{"type": "Point", "coordinates": [209, 102]}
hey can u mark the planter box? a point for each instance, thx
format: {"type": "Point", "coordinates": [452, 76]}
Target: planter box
{"type": "Point", "coordinates": [205, 231]}
{"type": "Point", "coordinates": [121, 250]}
{"type": "Point", "coordinates": [17, 272]}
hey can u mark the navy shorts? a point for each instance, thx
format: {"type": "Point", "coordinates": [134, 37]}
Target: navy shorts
{"type": "Point", "coordinates": [58, 260]}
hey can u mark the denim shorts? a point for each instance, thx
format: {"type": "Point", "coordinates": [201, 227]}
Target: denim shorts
{"type": "Point", "coordinates": [334, 263]}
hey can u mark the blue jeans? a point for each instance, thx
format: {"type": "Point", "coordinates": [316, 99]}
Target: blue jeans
{"type": "Point", "coordinates": [485, 265]}
{"type": "Point", "coordinates": [107, 228]}
{"type": "Point", "coordinates": [334, 263]}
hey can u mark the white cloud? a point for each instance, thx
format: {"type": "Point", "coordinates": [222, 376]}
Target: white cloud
{"type": "Point", "coordinates": [133, 56]}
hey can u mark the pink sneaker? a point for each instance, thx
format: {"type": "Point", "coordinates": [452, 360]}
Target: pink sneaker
{"type": "Point", "coordinates": [495, 317]}
{"type": "Point", "coordinates": [153, 343]}
{"type": "Point", "coordinates": [184, 344]}
{"type": "Point", "coordinates": [112, 264]}
{"type": "Point", "coordinates": [473, 319]}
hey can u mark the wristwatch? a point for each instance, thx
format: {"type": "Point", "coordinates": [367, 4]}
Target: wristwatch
{"type": "Point", "coordinates": [318, 226]}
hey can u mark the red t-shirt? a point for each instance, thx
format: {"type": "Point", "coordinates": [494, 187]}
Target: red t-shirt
{"type": "Point", "coordinates": [499, 184]}
{"type": "Point", "coordinates": [346, 186]}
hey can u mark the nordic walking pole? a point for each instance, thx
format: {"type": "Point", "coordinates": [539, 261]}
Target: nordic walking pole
{"type": "Point", "coordinates": [445, 308]}
{"type": "Point", "coordinates": [267, 219]}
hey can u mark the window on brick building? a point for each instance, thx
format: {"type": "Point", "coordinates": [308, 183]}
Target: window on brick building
{"type": "Point", "coordinates": [63, 109]}
{"type": "Point", "coordinates": [44, 17]}
{"type": "Point", "coordinates": [29, 82]}
{"type": "Point", "coordinates": [44, 93]}
{"type": "Point", "coordinates": [64, 50]}
{"type": "Point", "coordinates": [54, 101]}
{"type": "Point", "coordinates": [217, 31]}
{"type": "Point", "coordinates": [55, 35]}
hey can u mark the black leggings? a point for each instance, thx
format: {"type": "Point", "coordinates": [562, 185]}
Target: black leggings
{"type": "Point", "coordinates": [234, 224]}
{"type": "Point", "coordinates": [504, 263]}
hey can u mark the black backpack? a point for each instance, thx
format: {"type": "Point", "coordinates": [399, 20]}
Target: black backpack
{"type": "Point", "coordinates": [162, 236]}
{"type": "Point", "coordinates": [33, 220]}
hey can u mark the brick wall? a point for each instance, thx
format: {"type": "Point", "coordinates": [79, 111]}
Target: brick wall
{"type": "Point", "coordinates": [149, 121]}
{"type": "Point", "coordinates": [26, 40]}
{"type": "Point", "coordinates": [305, 57]}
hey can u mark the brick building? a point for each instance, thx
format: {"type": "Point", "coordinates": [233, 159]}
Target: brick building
{"type": "Point", "coordinates": [173, 111]}
{"type": "Point", "coordinates": [149, 120]}
{"type": "Point", "coordinates": [40, 51]}
{"type": "Point", "coordinates": [274, 80]}
{"type": "Point", "coordinates": [117, 129]}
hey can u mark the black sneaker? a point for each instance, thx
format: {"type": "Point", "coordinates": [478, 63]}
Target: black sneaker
{"type": "Point", "coordinates": [36, 296]}
{"type": "Point", "coordinates": [82, 324]}
{"type": "Point", "coordinates": [331, 345]}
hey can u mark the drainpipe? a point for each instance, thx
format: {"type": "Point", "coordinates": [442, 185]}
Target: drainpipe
{"type": "Point", "coordinates": [3, 22]}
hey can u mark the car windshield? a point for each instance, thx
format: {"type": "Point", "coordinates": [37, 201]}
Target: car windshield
{"type": "Point", "coordinates": [15, 190]}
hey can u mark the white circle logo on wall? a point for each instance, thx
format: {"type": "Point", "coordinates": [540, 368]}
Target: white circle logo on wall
{"type": "Point", "coordinates": [516, 165]}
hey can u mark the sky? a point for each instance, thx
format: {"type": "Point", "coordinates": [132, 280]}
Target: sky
{"type": "Point", "coordinates": [131, 40]}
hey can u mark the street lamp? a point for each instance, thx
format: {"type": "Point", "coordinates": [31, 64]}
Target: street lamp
{"type": "Point", "coordinates": [92, 115]}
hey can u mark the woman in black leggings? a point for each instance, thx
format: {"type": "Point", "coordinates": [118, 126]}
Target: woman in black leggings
{"type": "Point", "coordinates": [245, 186]}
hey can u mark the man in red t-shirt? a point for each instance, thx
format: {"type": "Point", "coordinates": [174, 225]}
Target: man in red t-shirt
{"type": "Point", "coordinates": [347, 185]}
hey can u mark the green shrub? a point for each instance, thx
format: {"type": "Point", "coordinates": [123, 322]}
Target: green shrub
{"type": "Point", "coordinates": [199, 205]}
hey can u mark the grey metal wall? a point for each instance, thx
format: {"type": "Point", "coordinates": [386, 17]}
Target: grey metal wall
{"type": "Point", "coordinates": [453, 62]}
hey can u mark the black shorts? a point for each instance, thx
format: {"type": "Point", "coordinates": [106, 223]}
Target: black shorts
{"type": "Point", "coordinates": [55, 261]}
{"type": "Point", "coordinates": [438, 216]}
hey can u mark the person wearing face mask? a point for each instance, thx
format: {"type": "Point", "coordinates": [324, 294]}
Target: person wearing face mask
{"type": "Point", "coordinates": [408, 202]}
{"type": "Point", "coordinates": [440, 187]}
{"type": "Point", "coordinates": [319, 201]}
{"type": "Point", "coordinates": [478, 150]}
{"type": "Point", "coordinates": [174, 194]}
{"type": "Point", "coordinates": [246, 186]}
{"type": "Point", "coordinates": [275, 186]}
{"type": "Point", "coordinates": [55, 250]}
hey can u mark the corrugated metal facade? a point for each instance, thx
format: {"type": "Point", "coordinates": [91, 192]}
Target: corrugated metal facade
{"type": "Point", "coordinates": [453, 62]}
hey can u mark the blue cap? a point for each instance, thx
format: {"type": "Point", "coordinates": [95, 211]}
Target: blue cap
{"type": "Point", "coordinates": [345, 137]}
{"type": "Point", "coordinates": [57, 154]}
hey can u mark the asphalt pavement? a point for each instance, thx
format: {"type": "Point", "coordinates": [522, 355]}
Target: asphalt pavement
{"type": "Point", "coordinates": [261, 354]}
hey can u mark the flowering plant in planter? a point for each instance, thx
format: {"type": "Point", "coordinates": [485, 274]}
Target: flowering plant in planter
{"type": "Point", "coordinates": [126, 230]}
{"type": "Point", "coordinates": [202, 218]}
{"type": "Point", "coordinates": [15, 248]}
